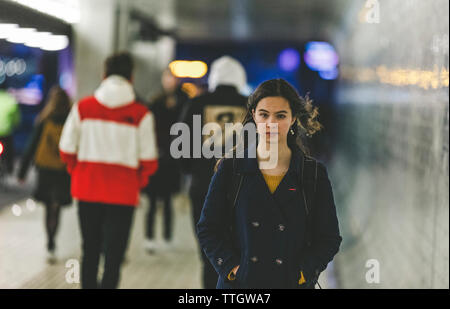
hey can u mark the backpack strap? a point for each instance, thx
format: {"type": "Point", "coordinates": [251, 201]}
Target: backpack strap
{"type": "Point", "coordinates": [234, 184]}
{"type": "Point", "coordinates": [308, 181]}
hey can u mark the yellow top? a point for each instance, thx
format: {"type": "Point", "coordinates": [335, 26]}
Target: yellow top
{"type": "Point", "coordinates": [273, 181]}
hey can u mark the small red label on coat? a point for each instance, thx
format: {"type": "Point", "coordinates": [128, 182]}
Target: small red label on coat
{"type": "Point", "coordinates": [292, 189]}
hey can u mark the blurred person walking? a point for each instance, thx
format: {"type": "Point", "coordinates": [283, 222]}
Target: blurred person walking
{"type": "Point", "coordinates": [53, 181]}
{"type": "Point", "coordinates": [9, 120]}
{"type": "Point", "coordinates": [166, 108]}
{"type": "Point", "coordinates": [222, 104]}
{"type": "Point", "coordinates": [271, 227]}
{"type": "Point", "coordinates": [109, 145]}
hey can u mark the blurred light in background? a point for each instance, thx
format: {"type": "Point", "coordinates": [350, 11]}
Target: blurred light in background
{"type": "Point", "coordinates": [37, 39]}
{"type": "Point", "coordinates": [66, 80]}
{"type": "Point", "coordinates": [31, 205]}
{"type": "Point", "coordinates": [32, 38]}
{"type": "Point", "coordinates": [12, 67]}
{"type": "Point", "coordinates": [66, 72]}
{"type": "Point", "coordinates": [190, 69]}
{"type": "Point", "coordinates": [67, 10]}
{"type": "Point", "coordinates": [190, 88]}
{"type": "Point", "coordinates": [1, 148]}
{"type": "Point", "coordinates": [20, 35]}
{"type": "Point", "coordinates": [322, 57]}
{"type": "Point", "coordinates": [16, 210]}
{"type": "Point", "coordinates": [32, 93]}
{"type": "Point", "coordinates": [5, 30]}
{"type": "Point", "coordinates": [425, 79]}
{"type": "Point", "coordinates": [247, 90]}
{"type": "Point", "coordinates": [55, 42]}
{"type": "Point", "coordinates": [329, 75]}
{"type": "Point", "coordinates": [289, 59]}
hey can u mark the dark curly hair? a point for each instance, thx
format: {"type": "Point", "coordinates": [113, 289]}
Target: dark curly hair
{"type": "Point", "coordinates": [306, 124]}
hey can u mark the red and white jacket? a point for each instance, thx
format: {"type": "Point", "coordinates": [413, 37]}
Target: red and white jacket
{"type": "Point", "coordinates": [108, 143]}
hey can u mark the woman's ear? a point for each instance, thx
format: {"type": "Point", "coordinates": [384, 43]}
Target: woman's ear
{"type": "Point", "coordinates": [253, 115]}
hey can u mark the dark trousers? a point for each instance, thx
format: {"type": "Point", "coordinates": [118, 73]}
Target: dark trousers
{"type": "Point", "coordinates": [8, 152]}
{"type": "Point", "coordinates": [209, 274]}
{"type": "Point", "coordinates": [167, 200]}
{"type": "Point", "coordinates": [104, 229]}
{"type": "Point", "coordinates": [52, 211]}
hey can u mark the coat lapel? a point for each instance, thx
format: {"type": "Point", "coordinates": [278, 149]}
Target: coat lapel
{"type": "Point", "coordinates": [288, 188]}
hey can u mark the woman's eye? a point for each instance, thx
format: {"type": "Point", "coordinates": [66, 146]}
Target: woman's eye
{"type": "Point", "coordinates": [263, 115]}
{"type": "Point", "coordinates": [281, 116]}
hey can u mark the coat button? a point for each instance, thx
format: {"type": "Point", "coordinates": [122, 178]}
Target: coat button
{"type": "Point", "coordinates": [219, 261]}
{"type": "Point", "coordinates": [279, 261]}
{"type": "Point", "coordinates": [254, 259]}
{"type": "Point", "coordinates": [281, 227]}
{"type": "Point", "coordinates": [255, 224]}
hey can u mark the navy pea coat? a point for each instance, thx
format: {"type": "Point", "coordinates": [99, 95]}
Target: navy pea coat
{"type": "Point", "coordinates": [268, 238]}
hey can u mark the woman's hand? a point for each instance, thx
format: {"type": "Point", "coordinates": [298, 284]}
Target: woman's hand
{"type": "Point", "coordinates": [235, 269]}
{"type": "Point", "coordinates": [232, 274]}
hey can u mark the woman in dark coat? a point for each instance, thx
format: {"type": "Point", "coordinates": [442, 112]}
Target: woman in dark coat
{"type": "Point", "coordinates": [269, 235]}
{"type": "Point", "coordinates": [53, 182]}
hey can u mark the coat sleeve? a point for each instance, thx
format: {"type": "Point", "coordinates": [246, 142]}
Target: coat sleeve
{"type": "Point", "coordinates": [326, 236]}
{"type": "Point", "coordinates": [148, 149]}
{"type": "Point", "coordinates": [70, 139]}
{"type": "Point", "coordinates": [213, 228]}
{"type": "Point", "coordinates": [30, 150]}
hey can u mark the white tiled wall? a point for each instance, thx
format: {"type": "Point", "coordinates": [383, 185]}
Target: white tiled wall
{"type": "Point", "coordinates": [390, 172]}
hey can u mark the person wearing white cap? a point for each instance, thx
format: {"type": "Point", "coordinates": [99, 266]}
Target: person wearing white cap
{"type": "Point", "coordinates": [222, 104]}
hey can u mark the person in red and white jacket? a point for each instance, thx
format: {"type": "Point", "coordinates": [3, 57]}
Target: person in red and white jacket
{"type": "Point", "coordinates": [108, 143]}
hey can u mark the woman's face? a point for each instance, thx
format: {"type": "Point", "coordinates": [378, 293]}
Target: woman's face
{"type": "Point", "coordinates": [271, 112]}
{"type": "Point", "coordinates": [169, 82]}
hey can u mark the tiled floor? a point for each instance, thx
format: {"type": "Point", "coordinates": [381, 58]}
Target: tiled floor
{"type": "Point", "coordinates": [11, 191]}
{"type": "Point", "coordinates": [23, 255]}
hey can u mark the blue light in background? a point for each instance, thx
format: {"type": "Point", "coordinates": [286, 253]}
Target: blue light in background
{"type": "Point", "coordinates": [65, 80]}
{"type": "Point", "coordinates": [322, 57]}
{"type": "Point", "coordinates": [329, 75]}
{"type": "Point", "coordinates": [36, 82]}
{"type": "Point", "coordinates": [32, 93]}
{"type": "Point", "coordinates": [289, 59]}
